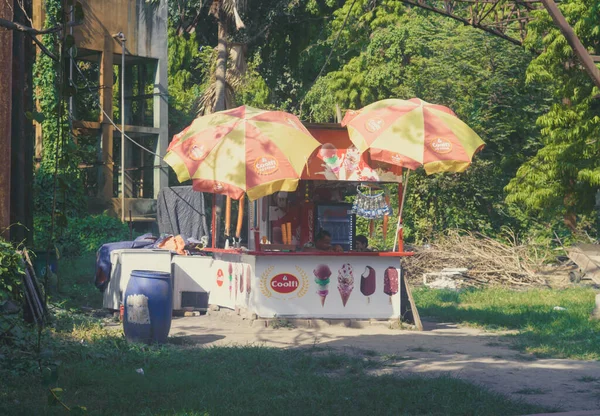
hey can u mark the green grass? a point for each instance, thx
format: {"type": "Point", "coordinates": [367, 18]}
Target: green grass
{"type": "Point", "coordinates": [76, 276]}
{"type": "Point", "coordinates": [97, 367]}
{"type": "Point", "coordinates": [541, 330]}
{"type": "Point", "coordinates": [100, 374]}
{"type": "Point", "coordinates": [530, 391]}
{"type": "Point", "coordinates": [588, 379]}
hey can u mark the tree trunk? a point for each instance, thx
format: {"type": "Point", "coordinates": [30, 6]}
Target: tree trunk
{"type": "Point", "coordinates": [6, 50]}
{"type": "Point", "coordinates": [221, 88]}
{"type": "Point", "coordinates": [221, 71]}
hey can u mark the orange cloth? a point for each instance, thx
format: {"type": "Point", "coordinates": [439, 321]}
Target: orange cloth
{"type": "Point", "coordinates": [173, 243]}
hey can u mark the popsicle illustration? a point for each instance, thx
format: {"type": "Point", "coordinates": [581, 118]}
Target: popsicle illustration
{"type": "Point", "coordinates": [230, 278]}
{"type": "Point", "coordinates": [322, 273]}
{"type": "Point", "coordinates": [368, 283]}
{"type": "Point", "coordinates": [345, 282]}
{"type": "Point", "coordinates": [248, 280]}
{"type": "Point", "coordinates": [390, 282]}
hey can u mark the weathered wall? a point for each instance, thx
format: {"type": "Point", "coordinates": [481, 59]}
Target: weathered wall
{"type": "Point", "coordinates": [144, 26]}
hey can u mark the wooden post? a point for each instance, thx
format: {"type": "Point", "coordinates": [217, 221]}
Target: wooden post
{"type": "Point", "coordinates": [106, 99]}
{"type": "Point", "coordinates": [213, 223]}
{"type": "Point", "coordinates": [584, 56]}
{"type": "Point", "coordinates": [6, 51]}
{"type": "Point", "coordinates": [22, 133]}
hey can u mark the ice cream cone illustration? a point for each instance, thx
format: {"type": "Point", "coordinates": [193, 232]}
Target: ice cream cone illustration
{"type": "Point", "coordinates": [367, 283]}
{"type": "Point", "coordinates": [345, 282]}
{"type": "Point", "coordinates": [230, 279]}
{"type": "Point", "coordinates": [248, 280]}
{"type": "Point", "coordinates": [351, 161]}
{"type": "Point", "coordinates": [390, 282]}
{"type": "Point", "coordinates": [328, 153]}
{"type": "Point", "coordinates": [322, 274]}
{"type": "Point", "coordinates": [236, 280]}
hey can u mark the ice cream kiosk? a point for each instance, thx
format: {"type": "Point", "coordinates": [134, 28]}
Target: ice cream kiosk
{"type": "Point", "coordinates": [280, 274]}
{"type": "Point", "coordinates": [331, 175]}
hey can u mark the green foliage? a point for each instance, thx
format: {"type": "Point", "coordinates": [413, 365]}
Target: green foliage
{"type": "Point", "coordinates": [406, 54]}
{"type": "Point", "coordinates": [11, 273]}
{"type": "Point", "coordinates": [187, 72]}
{"type": "Point", "coordinates": [254, 91]}
{"type": "Point", "coordinates": [562, 178]}
{"type": "Point", "coordinates": [388, 50]}
{"type": "Point", "coordinates": [81, 235]}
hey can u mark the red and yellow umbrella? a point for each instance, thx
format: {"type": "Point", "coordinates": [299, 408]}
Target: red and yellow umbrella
{"type": "Point", "coordinates": [241, 150]}
{"type": "Point", "coordinates": [413, 133]}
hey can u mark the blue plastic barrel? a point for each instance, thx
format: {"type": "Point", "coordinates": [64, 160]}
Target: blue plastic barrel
{"type": "Point", "coordinates": [148, 303]}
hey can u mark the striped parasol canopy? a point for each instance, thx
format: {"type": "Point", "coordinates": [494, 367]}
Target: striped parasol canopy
{"type": "Point", "coordinates": [413, 133]}
{"type": "Point", "coordinates": [242, 150]}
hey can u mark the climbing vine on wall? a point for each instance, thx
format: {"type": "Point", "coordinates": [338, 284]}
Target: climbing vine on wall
{"type": "Point", "coordinates": [58, 167]}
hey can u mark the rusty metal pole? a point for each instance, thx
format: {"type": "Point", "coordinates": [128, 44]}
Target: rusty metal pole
{"type": "Point", "coordinates": [6, 51]}
{"type": "Point", "coordinates": [582, 53]}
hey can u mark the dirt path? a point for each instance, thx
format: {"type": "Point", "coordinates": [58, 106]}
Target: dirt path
{"type": "Point", "coordinates": [474, 355]}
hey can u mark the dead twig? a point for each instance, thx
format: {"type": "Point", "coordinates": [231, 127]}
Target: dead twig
{"type": "Point", "coordinates": [488, 261]}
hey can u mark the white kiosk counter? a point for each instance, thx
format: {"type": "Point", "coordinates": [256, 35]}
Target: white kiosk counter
{"type": "Point", "coordinates": [274, 284]}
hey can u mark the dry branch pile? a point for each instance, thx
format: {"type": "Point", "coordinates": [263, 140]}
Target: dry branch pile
{"type": "Point", "coordinates": [488, 261]}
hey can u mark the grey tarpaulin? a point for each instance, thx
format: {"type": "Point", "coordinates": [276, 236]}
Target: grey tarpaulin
{"type": "Point", "coordinates": [181, 210]}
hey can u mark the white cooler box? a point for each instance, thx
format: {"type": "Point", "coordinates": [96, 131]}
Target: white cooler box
{"type": "Point", "coordinates": [192, 282]}
{"type": "Point", "coordinates": [124, 262]}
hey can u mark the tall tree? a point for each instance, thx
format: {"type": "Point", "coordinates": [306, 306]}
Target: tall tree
{"type": "Point", "coordinates": [224, 11]}
{"type": "Point", "coordinates": [562, 179]}
{"type": "Point", "coordinates": [403, 53]}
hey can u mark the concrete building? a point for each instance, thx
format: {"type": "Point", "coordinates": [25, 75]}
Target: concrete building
{"type": "Point", "coordinates": [144, 26]}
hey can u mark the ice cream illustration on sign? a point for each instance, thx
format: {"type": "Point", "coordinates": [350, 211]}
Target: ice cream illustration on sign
{"type": "Point", "coordinates": [322, 274]}
{"type": "Point", "coordinates": [345, 282]}
{"type": "Point", "coordinates": [367, 283]}
{"type": "Point", "coordinates": [328, 153]}
{"type": "Point", "coordinates": [230, 270]}
{"type": "Point", "coordinates": [235, 285]}
{"type": "Point", "coordinates": [351, 163]}
{"type": "Point", "coordinates": [242, 278]}
{"type": "Point", "coordinates": [248, 281]}
{"type": "Point", "coordinates": [390, 282]}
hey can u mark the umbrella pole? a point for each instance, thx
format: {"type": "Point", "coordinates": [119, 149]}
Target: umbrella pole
{"type": "Point", "coordinates": [399, 223]}
{"type": "Point", "coordinates": [214, 221]}
{"type": "Point", "coordinates": [240, 219]}
{"type": "Point", "coordinates": [227, 216]}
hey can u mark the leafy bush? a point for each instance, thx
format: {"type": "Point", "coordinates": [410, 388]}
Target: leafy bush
{"type": "Point", "coordinates": [10, 272]}
{"type": "Point", "coordinates": [81, 235]}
